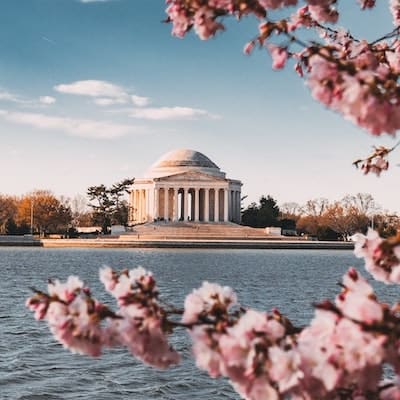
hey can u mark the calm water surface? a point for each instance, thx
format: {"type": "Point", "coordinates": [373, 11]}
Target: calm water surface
{"type": "Point", "coordinates": [33, 366]}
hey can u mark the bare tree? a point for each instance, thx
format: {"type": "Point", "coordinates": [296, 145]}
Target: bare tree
{"type": "Point", "coordinates": [315, 207]}
{"type": "Point", "coordinates": [290, 210]}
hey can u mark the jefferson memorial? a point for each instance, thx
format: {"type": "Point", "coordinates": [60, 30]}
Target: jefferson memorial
{"type": "Point", "coordinates": [185, 185]}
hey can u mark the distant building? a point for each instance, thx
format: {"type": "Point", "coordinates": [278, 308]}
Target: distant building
{"type": "Point", "coordinates": [185, 185]}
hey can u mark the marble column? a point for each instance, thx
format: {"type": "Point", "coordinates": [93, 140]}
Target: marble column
{"type": "Point", "coordinates": [144, 205]}
{"type": "Point", "coordinates": [166, 203]}
{"type": "Point", "coordinates": [226, 205]}
{"type": "Point", "coordinates": [206, 205]}
{"type": "Point", "coordinates": [148, 205]}
{"type": "Point", "coordinates": [239, 204]}
{"type": "Point", "coordinates": [236, 206]}
{"type": "Point", "coordinates": [196, 204]}
{"type": "Point", "coordinates": [156, 203]}
{"type": "Point", "coordinates": [140, 205]}
{"type": "Point", "coordinates": [176, 205]}
{"type": "Point", "coordinates": [185, 204]}
{"type": "Point", "coordinates": [132, 207]}
{"type": "Point", "coordinates": [216, 205]}
{"type": "Point", "coordinates": [230, 205]}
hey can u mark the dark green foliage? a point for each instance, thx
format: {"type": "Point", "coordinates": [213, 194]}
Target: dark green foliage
{"type": "Point", "coordinates": [110, 208]}
{"type": "Point", "coordinates": [11, 227]}
{"type": "Point", "coordinates": [287, 223]}
{"type": "Point", "coordinates": [261, 215]}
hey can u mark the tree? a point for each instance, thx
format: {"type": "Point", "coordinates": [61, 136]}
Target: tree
{"type": "Point", "coordinates": [121, 211]}
{"type": "Point", "coordinates": [364, 203]}
{"type": "Point", "coordinates": [262, 215]}
{"type": "Point", "coordinates": [290, 210]}
{"type": "Point", "coordinates": [350, 215]}
{"type": "Point", "coordinates": [8, 212]}
{"type": "Point", "coordinates": [103, 209]}
{"type": "Point", "coordinates": [387, 224]}
{"type": "Point", "coordinates": [48, 214]}
{"type": "Point", "coordinates": [315, 208]}
{"type": "Point", "coordinates": [110, 208]}
{"type": "Point", "coordinates": [81, 214]}
{"type": "Point", "coordinates": [346, 220]}
{"type": "Point", "coordinates": [311, 221]}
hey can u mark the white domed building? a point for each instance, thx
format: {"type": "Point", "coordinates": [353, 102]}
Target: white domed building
{"type": "Point", "coordinates": [185, 185]}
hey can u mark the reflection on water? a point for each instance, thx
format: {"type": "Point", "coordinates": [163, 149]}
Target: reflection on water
{"type": "Point", "coordinates": [33, 366]}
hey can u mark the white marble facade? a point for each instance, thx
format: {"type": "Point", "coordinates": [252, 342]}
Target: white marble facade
{"type": "Point", "coordinates": [185, 185]}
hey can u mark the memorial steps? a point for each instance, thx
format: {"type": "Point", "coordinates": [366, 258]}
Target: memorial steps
{"type": "Point", "coordinates": [196, 231]}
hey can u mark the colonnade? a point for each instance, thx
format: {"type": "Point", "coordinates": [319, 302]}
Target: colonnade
{"type": "Point", "coordinates": [209, 204]}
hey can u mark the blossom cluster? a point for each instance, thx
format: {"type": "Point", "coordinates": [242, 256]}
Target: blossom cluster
{"type": "Point", "coordinates": [84, 325]}
{"type": "Point", "coordinates": [143, 325]}
{"type": "Point", "coordinates": [382, 257]}
{"type": "Point", "coordinates": [74, 317]}
{"type": "Point", "coordinates": [340, 355]}
{"type": "Point", "coordinates": [376, 162]}
{"type": "Point", "coordinates": [356, 78]}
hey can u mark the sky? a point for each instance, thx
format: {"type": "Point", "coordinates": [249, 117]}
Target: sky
{"type": "Point", "coordinates": [93, 92]}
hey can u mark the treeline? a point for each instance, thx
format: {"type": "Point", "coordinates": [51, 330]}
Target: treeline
{"type": "Point", "coordinates": [41, 212]}
{"type": "Point", "coordinates": [321, 218]}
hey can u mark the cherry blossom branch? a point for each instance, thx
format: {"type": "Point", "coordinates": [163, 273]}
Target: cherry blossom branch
{"type": "Point", "coordinates": [348, 75]}
{"type": "Point", "coordinates": [377, 161]}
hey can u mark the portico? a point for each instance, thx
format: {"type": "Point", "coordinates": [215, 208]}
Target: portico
{"type": "Point", "coordinates": [185, 185]}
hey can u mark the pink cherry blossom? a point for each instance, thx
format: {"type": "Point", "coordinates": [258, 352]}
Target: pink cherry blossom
{"type": "Point", "coordinates": [206, 350]}
{"type": "Point", "coordinates": [208, 300]}
{"type": "Point", "coordinates": [74, 318]}
{"type": "Point", "coordinates": [357, 300]}
{"type": "Point", "coordinates": [381, 260]}
{"type": "Point", "coordinates": [285, 368]}
{"type": "Point", "coordinates": [143, 334]}
{"type": "Point", "coordinates": [279, 56]}
{"type": "Point", "coordinates": [395, 10]}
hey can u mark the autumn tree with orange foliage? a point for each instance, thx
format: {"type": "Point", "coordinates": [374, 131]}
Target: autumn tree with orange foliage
{"type": "Point", "coordinates": [8, 212]}
{"type": "Point", "coordinates": [50, 215]}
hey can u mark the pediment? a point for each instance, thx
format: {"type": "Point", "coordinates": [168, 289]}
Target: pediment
{"type": "Point", "coordinates": [191, 177]}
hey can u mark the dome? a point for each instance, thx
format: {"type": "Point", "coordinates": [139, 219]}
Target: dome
{"type": "Point", "coordinates": [184, 160]}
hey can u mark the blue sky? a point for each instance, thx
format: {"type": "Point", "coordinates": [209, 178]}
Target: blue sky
{"type": "Point", "coordinates": [93, 92]}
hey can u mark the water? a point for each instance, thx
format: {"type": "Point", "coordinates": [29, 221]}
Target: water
{"type": "Point", "coordinates": [33, 366]}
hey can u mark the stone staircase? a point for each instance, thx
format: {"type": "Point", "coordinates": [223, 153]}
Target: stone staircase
{"type": "Point", "coordinates": [196, 231]}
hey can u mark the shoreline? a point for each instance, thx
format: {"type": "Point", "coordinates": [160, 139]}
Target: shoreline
{"type": "Point", "coordinates": [179, 244]}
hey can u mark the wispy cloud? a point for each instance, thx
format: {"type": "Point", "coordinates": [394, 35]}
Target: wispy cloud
{"type": "Point", "coordinates": [47, 100]}
{"type": "Point", "coordinates": [71, 126]}
{"type": "Point", "coordinates": [104, 93]}
{"type": "Point", "coordinates": [107, 101]}
{"type": "Point", "coordinates": [24, 101]}
{"type": "Point", "coordinates": [7, 96]}
{"type": "Point", "coordinates": [140, 101]}
{"type": "Point", "coordinates": [46, 39]}
{"type": "Point", "coordinates": [92, 88]}
{"type": "Point", "coordinates": [107, 94]}
{"type": "Point", "coordinates": [171, 113]}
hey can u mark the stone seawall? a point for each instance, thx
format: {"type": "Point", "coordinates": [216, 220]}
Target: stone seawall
{"type": "Point", "coordinates": [24, 241]}
{"type": "Point", "coordinates": [197, 244]}
{"type": "Point", "coordinates": [123, 242]}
